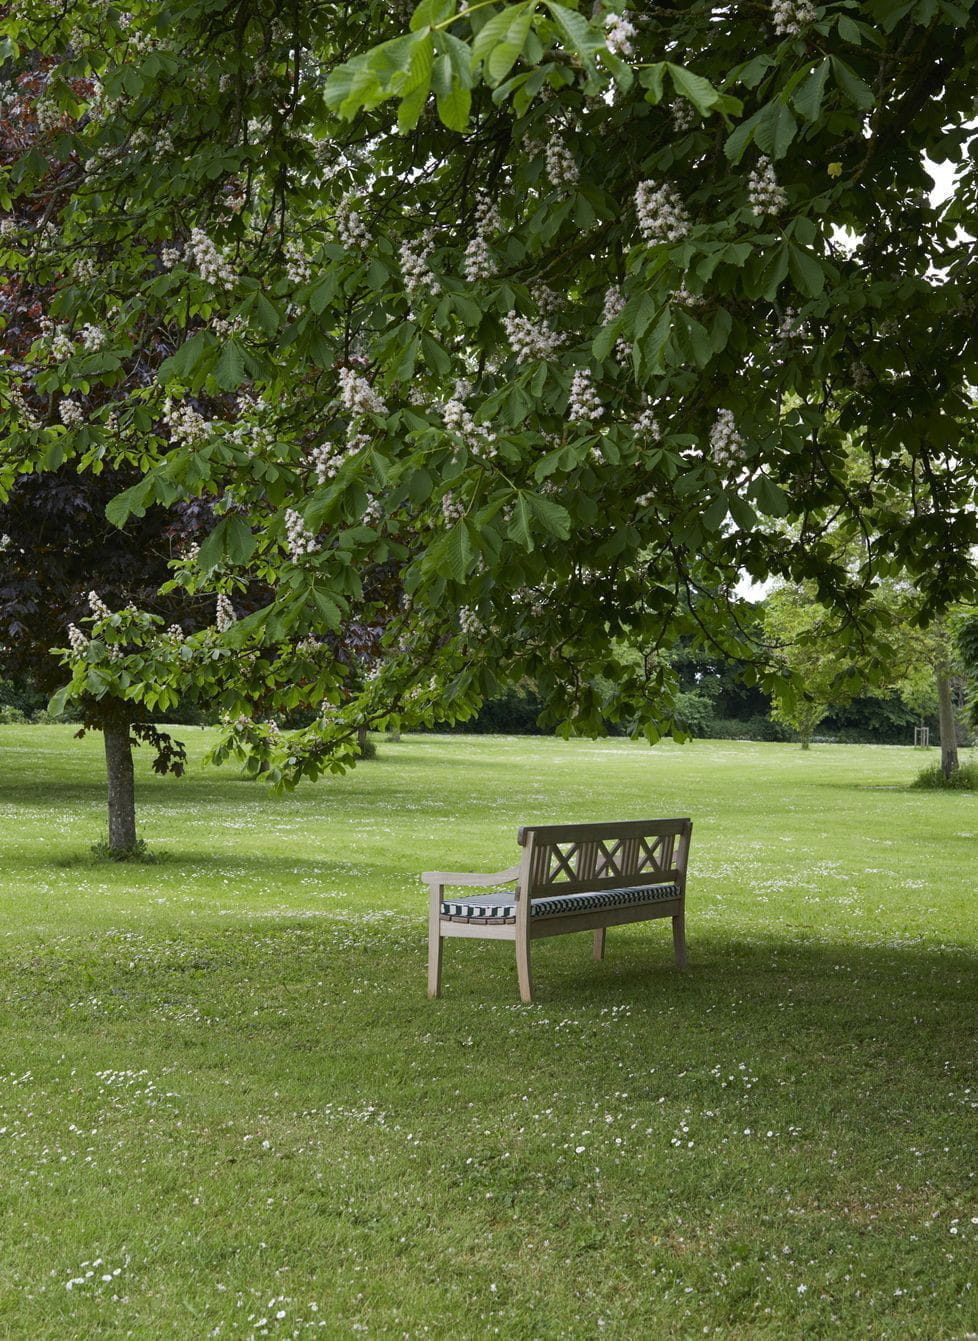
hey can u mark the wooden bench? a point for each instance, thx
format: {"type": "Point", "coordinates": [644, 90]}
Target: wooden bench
{"type": "Point", "coordinates": [573, 877]}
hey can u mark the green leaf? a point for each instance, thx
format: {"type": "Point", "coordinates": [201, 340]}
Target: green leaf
{"type": "Point", "coordinates": [239, 540]}
{"type": "Point", "coordinates": [130, 503]}
{"type": "Point", "coordinates": [454, 107]}
{"type": "Point", "coordinates": [230, 541]}
{"type": "Point", "coordinates": [56, 703]}
{"type": "Point", "coordinates": [412, 105]}
{"type": "Point", "coordinates": [651, 78]}
{"type": "Point", "coordinates": [268, 318]}
{"type": "Point", "coordinates": [855, 89]}
{"type": "Point", "coordinates": [806, 272]}
{"type": "Point", "coordinates": [458, 552]}
{"type": "Point", "coordinates": [776, 129]}
{"type": "Point", "coordinates": [502, 29]}
{"type": "Point", "coordinates": [715, 515]}
{"type": "Point", "coordinates": [770, 498]}
{"type": "Point", "coordinates": [327, 607]}
{"type": "Point", "coordinates": [808, 98]}
{"type": "Point", "coordinates": [553, 519]}
{"type": "Point", "coordinates": [700, 92]}
{"type": "Point", "coordinates": [230, 370]}
{"type": "Point", "coordinates": [739, 139]}
{"type": "Point", "coordinates": [431, 12]}
{"type": "Point", "coordinates": [452, 81]}
{"type": "Point", "coordinates": [742, 512]}
{"type": "Point", "coordinates": [773, 272]}
{"type": "Point", "coordinates": [507, 52]}
{"type": "Point", "coordinates": [577, 33]}
{"type": "Point", "coordinates": [520, 528]}
{"type": "Point", "coordinates": [434, 355]}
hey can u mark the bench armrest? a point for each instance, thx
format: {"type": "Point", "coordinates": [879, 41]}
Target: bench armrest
{"type": "Point", "coordinates": [470, 877]}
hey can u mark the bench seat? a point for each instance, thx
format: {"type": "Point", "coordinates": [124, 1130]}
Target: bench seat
{"type": "Point", "coordinates": [571, 877]}
{"type": "Point", "coordinates": [502, 907]}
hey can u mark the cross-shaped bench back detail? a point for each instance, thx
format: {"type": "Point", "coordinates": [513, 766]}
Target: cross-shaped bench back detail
{"type": "Point", "coordinates": [572, 858]}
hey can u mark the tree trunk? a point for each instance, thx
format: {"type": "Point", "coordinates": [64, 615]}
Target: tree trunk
{"type": "Point", "coordinates": [949, 731]}
{"type": "Point", "coordinates": [362, 741]}
{"type": "Point", "coordinates": [121, 788]}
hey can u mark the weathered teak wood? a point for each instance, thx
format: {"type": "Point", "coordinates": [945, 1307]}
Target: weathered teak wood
{"type": "Point", "coordinates": [567, 859]}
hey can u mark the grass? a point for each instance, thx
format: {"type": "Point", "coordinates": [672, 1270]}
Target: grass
{"type": "Point", "coordinates": [227, 1109]}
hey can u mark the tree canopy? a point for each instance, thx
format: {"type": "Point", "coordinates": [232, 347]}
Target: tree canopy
{"type": "Point", "coordinates": [502, 334]}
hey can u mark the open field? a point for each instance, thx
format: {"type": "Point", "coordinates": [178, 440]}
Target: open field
{"type": "Point", "coordinates": [227, 1109]}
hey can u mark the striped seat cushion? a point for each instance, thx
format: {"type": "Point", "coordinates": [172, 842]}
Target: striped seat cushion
{"type": "Point", "coordinates": [502, 907]}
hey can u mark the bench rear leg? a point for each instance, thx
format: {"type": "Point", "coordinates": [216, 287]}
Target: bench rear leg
{"type": "Point", "coordinates": [679, 939]}
{"type": "Point", "coordinates": [523, 970]}
{"type": "Point", "coordinates": [599, 942]}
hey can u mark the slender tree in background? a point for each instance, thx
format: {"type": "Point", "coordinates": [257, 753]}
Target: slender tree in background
{"type": "Point", "coordinates": [516, 336]}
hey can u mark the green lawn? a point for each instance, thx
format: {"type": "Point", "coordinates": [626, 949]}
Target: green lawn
{"type": "Point", "coordinates": [227, 1109]}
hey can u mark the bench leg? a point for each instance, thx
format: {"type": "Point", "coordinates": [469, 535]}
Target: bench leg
{"type": "Point", "coordinates": [679, 939]}
{"type": "Point", "coordinates": [435, 943]}
{"type": "Point", "coordinates": [523, 971]}
{"type": "Point", "coordinates": [599, 942]}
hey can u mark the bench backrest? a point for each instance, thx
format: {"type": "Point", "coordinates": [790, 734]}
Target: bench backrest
{"type": "Point", "coordinates": [571, 858]}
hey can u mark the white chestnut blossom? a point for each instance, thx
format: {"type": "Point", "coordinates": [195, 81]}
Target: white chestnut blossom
{"type": "Point", "coordinates": [169, 257]}
{"type": "Point", "coordinates": [548, 302]}
{"type": "Point", "coordinates": [351, 230]}
{"type": "Point", "coordinates": [531, 339]}
{"type": "Point", "coordinates": [584, 403]}
{"type": "Point", "coordinates": [27, 416]}
{"type": "Point", "coordinates": [791, 16]}
{"type": "Point", "coordinates": [614, 305]}
{"type": "Point", "coordinates": [298, 269]}
{"type": "Point", "coordinates": [70, 413]}
{"type": "Point", "coordinates": [77, 640]}
{"type": "Point", "coordinates": [176, 632]}
{"type": "Point", "coordinates": [93, 337]}
{"type": "Point", "coordinates": [328, 456]}
{"type": "Point", "coordinates": [225, 327]}
{"type": "Point", "coordinates": [224, 615]}
{"type": "Point", "coordinates": [57, 339]}
{"type": "Point", "coordinates": [458, 419]}
{"type": "Point", "coordinates": [646, 426]}
{"type": "Point", "coordinates": [683, 298]}
{"type": "Point", "coordinates": [764, 195]}
{"type": "Point", "coordinates": [299, 540]}
{"type": "Point", "coordinates": [184, 423]}
{"type": "Point", "coordinates": [479, 262]}
{"type": "Point", "coordinates": [619, 31]}
{"type": "Point", "coordinates": [253, 439]}
{"type": "Point", "coordinates": [358, 395]}
{"type": "Point", "coordinates": [682, 115]}
{"type": "Point", "coordinates": [661, 213]}
{"type": "Point", "coordinates": [97, 606]}
{"type": "Point", "coordinates": [790, 325]}
{"type": "Point", "coordinates": [559, 163]}
{"type": "Point", "coordinates": [725, 441]}
{"type": "Point", "coordinates": [470, 624]}
{"type": "Point", "coordinates": [84, 269]}
{"type": "Point", "coordinates": [327, 459]}
{"type": "Point", "coordinates": [419, 278]}
{"type": "Point", "coordinates": [213, 266]}
{"type": "Point", "coordinates": [452, 508]}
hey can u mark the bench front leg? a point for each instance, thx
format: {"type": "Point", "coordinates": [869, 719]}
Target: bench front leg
{"type": "Point", "coordinates": [524, 973]}
{"type": "Point", "coordinates": [599, 936]}
{"type": "Point", "coordinates": [435, 938]}
{"type": "Point", "coordinates": [679, 938]}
